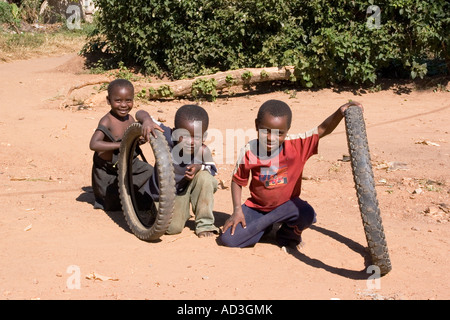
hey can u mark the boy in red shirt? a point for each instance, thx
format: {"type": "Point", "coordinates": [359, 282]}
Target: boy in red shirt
{"type": "Point", "coordinates": [275, 162]}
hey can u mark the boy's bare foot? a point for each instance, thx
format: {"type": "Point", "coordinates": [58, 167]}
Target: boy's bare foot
{"type": "Point", "coordinates": [205, 234]}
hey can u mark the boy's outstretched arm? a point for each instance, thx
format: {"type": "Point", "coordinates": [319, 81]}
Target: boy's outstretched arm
{"type": "Point", "coordinates": [237, 216]}
{"type": "Point", "coordinates": [330, 123]}
{"type": "Point", "coordinates": [148, 125]}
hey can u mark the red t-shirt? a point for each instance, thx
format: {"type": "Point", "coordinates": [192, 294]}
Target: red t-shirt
{"type": "Point", "coordinates": [278, 178]}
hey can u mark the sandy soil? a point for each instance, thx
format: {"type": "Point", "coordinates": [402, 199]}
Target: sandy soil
{"type": "Point", "coordinates": [51, 236]}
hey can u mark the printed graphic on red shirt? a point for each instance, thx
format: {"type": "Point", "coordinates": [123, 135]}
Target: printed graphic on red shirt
{"type": "Point", "coordinates": [273, 177]}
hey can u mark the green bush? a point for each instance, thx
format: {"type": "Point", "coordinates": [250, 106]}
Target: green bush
{"type": "Point", "coordinates": [328, 41]}
{"type": "Point", "coordinates": [9, 14]}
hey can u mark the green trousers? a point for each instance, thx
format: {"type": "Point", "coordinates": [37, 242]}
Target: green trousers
{"type": "Point", "coordinates": [199, 194]}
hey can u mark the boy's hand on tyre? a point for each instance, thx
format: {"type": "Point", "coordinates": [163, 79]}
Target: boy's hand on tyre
{"type": "Point", "coordinates": [349, 104]}
{"type": "Point", "coordinates": [191, 170]}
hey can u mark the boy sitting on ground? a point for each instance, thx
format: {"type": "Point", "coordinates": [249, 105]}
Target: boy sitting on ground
{"type": "Point", "coordinates": [194, 168]}
{"type": "Point", "coordinates": [106, 143]}
{"type": "Point", "coordinates": [275, 162]}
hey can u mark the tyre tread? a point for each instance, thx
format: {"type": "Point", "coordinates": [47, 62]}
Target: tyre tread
{"type": "Point", "coordinates": [365, 188]}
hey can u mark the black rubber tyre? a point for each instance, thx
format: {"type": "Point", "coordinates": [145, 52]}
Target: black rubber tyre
{"type": "Point", "coordinates": [152, 223]}
{"type": "Point", "coordinates": [365, 188]}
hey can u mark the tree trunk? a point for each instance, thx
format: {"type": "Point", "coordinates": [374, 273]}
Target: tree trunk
{"type": "Point", "coordinates": [247, 76]}
{"type": "Point", "coordinates": [193, 87]}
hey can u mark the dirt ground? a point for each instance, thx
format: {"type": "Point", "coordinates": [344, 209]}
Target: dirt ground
{"type": "Point", "coordinates": [54, 245]}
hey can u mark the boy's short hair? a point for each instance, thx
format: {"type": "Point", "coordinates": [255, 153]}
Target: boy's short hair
{"type": "Point", "coordinates": [119, 83]}
{"type": "Point", "coordinates": [275, 108]}
{"type": "Point", "coordinates": [191, 112]}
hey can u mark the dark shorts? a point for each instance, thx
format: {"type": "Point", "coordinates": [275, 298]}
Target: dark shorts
{"type": "Point", "coordinates": [105, 182]}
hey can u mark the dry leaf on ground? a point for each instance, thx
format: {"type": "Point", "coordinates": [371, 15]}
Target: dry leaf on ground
{"type": "Point", "coordinates": [96, 276]}
{"type": "Point", "coordinates": [428, 143]}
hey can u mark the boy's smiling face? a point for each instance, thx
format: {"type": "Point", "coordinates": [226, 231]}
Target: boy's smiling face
{"type": "Point", "coordinates": [121, 101]}
{"type": "Point", "coordinates": [272, 131]}
{"type": "Point", "coordinates": [190, 135]}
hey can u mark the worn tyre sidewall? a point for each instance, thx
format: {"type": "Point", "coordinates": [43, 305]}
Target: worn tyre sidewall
{"type": "Point", "coordinates": [165, 172]}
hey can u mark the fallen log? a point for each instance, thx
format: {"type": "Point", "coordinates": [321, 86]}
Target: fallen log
{"type": "Point", "coordinates": [221, 80]}
{"type": "Point", "coordinates": [198, 86]}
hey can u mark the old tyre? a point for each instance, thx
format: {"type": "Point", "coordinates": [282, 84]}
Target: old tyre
{"type": "Point", "coordinates": [150, 223]}
{"type": "Point", "coordinates": [365, 188]}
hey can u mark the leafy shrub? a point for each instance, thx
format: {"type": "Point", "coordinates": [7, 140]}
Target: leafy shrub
{"type": "Point", "coordinates": [329, 41]}
{"type": "Point", "coordinates": [9, 14]}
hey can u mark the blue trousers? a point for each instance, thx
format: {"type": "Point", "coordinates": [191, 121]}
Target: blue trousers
{"type": "Point", "coordinates": [295, 215]}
